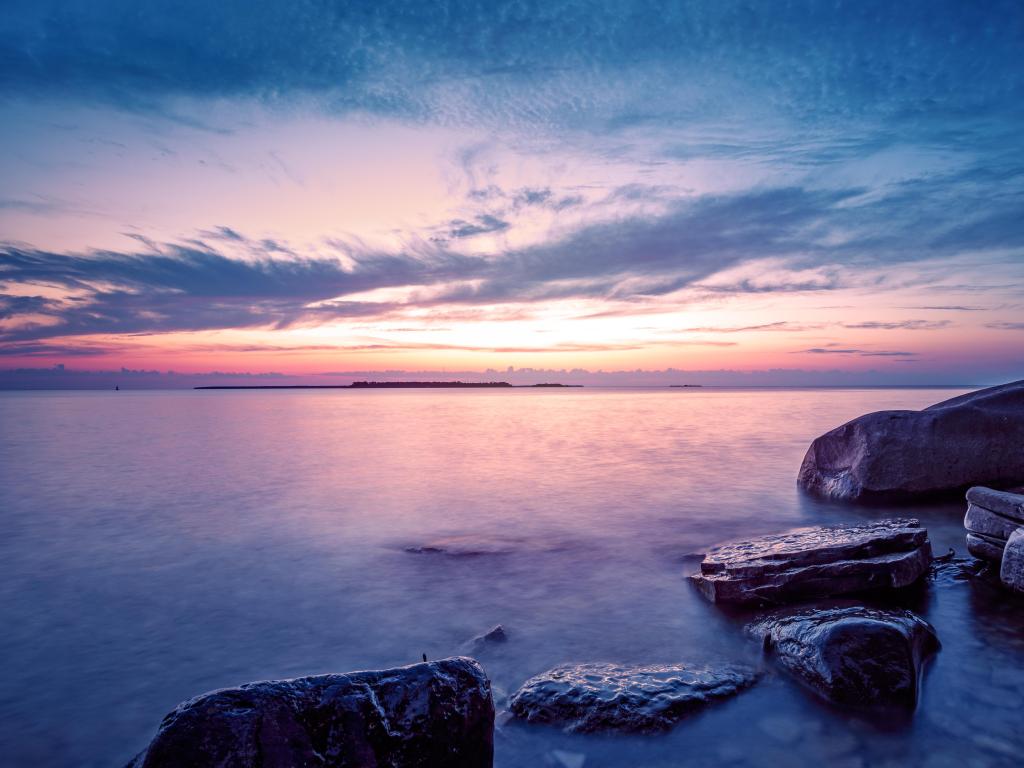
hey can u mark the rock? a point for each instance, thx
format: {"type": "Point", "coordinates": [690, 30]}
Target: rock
{"type": "Point", "coordinates": [1011, 571]}
{"type": "Point", "coordinates": [584, 698]}
{"type": "Point", "coordinates": [973, 439]}
{"type": "Point", "coordinates": [816, 562]}
{"type": "Point", "coordinates": [992, 517]}
{"type": "Point", "coordinates": [854, 656]}
{"type": "Point", "coordinates": [988, 523]}
{"type": "Point", "coordinates": [984, 548]}
{"type": "Point", "coordinates": [496, 635]}
{"type": "Point", "coordinates": [483, 545]}
{"type": "Point", "coordinates": [439, 713]}
{"type": "Point", "coordinates": [1004, 503]}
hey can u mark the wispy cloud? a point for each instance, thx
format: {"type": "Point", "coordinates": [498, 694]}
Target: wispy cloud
{"type": "Point", "coordinates": [850, 351]}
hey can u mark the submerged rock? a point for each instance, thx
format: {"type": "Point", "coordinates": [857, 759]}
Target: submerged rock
{"type": "Point", "coordinates": [853, 656]}
{"type": "Point", "coordinates": [807, 563]}
{"type": "Point", "coordinates": [584, 698]}
{"type": "Point", "coordinates": [439, 713]}
{"type": "Point", "coordinates": [1011, 571]}
{"type": "Point", "coordinates": [973, 439]}
{"type": "Point", "coordinates": [950, 569]}
{"type": "Point", "coordinates": [496, 635]}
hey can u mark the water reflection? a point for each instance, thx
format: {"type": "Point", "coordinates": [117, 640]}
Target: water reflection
{"type": "Point", "coordinates": [162, 544]}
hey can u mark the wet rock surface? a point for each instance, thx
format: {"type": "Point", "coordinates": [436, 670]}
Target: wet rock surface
{"type": "Point", "coordinates": [985, 548]}
{"type": "Point", "coordinates": [851, 655]}
{"type": "Point", "coordinates": [1011, 570]}
{"type": "Point", "coordinates": [437, 713]}
{"type": "Point", "coordinates": [586, 698]}
{"type": "Point", "coordinates": [807, 563]}
{"type": "Point", "coordinates": [973, 439]}
{"type": "Point", "coordinates": [992, 518]}
{"type": "Point", "coordinates": [950, 569]}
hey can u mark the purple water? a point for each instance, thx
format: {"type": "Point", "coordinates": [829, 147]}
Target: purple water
{"type": "Point", "coordinates": [160, 544]}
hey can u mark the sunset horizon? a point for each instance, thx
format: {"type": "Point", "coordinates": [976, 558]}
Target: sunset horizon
{"type": "Point", "coordinates": [290, 202]}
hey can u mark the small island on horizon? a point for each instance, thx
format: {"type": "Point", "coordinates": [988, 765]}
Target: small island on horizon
{"type": "Point", "coordinates": [393, 385]}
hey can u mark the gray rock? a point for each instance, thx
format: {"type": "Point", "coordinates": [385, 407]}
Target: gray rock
{"type": "Point", "coordinates": [1004, 503]}
{"type": "Point", "coordinates": [973, 439]}
{"type": "Point", "coordinates": [853, 656]}
{"type": "Point", "coordinates": [988, 523]}
{"type": "Point", "coordinates": [496, 635]}
{"type": "Point", "coordinates": [1011, 571]}
{"type": "Point", "coordinates": [440, 713]}
{"type": "Point", "coordinates": [816, 562]}
{"type": "Point", "coordinates": [584, 698]}
{"type": "Point", "coordinates": [984, 548]}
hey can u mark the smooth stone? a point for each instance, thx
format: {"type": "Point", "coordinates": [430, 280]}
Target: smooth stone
{"type": "Point", "coordinates": [969, 440]}
{"type": "Point", "coordinates": [1003, 503]}
{"type": "Point", "coordinates": [816, 562]}
{"type": "Point", "coordinates": [854, 655]}
{"type": "Point", "coordinates": [988, 523]}
{"type": "Point", "coordinates": [436, 713]}
{"type": "Point", "coordinates": [585, 698]}
{"type": "Point", "coordinates": [1011, 571]}
{"type": "Point", "coordinates": [985, 549]}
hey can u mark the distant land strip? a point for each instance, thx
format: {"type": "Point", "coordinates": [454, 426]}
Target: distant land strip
{"type": "Point", "coordinates": [391, 385]}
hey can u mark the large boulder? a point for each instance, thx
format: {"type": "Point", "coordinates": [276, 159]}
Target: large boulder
{"type": "Point", "coordinates": [584, 698]}
{"type": "Point", "coordinates": [852, 656]}
{"type": "Point", "coordinates": [973, 439]}
{"type": "Point", "coordinates": [437, 713]}
{"type": "Point", "coordinates": [807, 563]}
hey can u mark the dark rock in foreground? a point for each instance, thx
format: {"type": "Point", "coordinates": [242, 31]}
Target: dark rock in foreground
{"type": "Point", "coordinates": [808, 563]}
{"type": "Point", "coordinates": [440, 713]}
{"type": "Point", "coordinates": [973, 439]}
{"type": "Point", "coordinates": [852, 656]}
{"type": "Point", "coordinates": [584, 698]}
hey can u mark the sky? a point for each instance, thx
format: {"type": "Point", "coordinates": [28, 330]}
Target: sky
{"type": "Point", "coordinates": [622, 192]}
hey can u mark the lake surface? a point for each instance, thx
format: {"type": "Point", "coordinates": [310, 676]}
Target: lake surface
{"type": "Point", "coordinates": [160, 544]}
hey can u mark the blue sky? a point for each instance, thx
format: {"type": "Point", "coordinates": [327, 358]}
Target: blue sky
{"type": "Point", "coordinates": [312, 187]}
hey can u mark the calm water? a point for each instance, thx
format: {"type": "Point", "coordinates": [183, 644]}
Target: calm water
{"type": "Point", "coordinates": [160, 544]}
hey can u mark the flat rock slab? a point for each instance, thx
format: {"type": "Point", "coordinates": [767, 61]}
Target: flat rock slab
{"type": "Point", "coordinates": [989, 523]}
{"type": "Point", "coordinates": [1011, 570]}
{"type": "Point", "coordinates": [437, 713]}
{"type": "Point", "coordinates": [852, 656]}
{"type": "Point", "coordinates": [816, 562]}
{"type": "Point", "coordinates": [584, 698]}
{"type": "Point", "coordinates": [1003, 503]}
{"type": "Point", "coordinates": [969, 440]}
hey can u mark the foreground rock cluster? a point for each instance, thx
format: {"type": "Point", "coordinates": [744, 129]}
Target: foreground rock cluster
{"type": "Point", "coordinates": [969, 440]}
{"type": "Point", "coordinates": [851, 655]}
{"type": "Point", "coordinates": [431, 714]}
{"type": "Point", "coordinates": [995, 532]}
